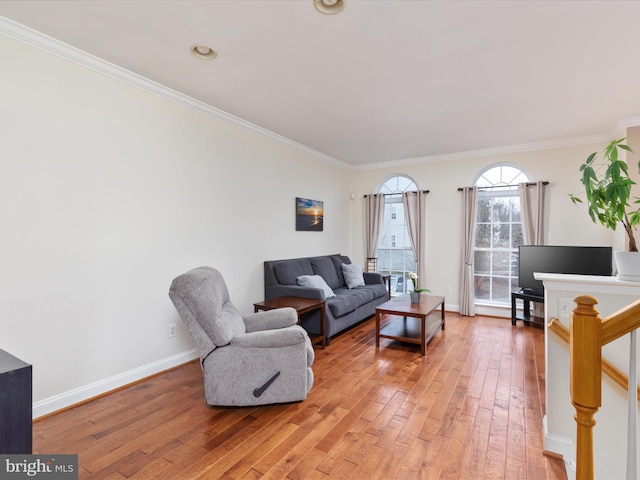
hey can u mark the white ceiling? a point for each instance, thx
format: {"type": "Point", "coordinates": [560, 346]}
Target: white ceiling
{"type": "Point", "coordinates": [385, 80]}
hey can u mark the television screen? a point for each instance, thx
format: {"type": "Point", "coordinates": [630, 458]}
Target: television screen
{"type": "Point", "coordinates": [560, 259]}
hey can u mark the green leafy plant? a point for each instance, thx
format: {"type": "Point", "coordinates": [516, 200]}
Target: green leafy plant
{"type": "Point", "coordinates": [414, 279]}
{"type": "Point", "coordinates": [608, 190]}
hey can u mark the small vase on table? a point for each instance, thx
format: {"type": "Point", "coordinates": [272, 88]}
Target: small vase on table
{"type": "Point", "coordinates": [415, 297]}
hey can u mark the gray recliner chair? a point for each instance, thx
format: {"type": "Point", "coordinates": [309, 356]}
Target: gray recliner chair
{"type": "Point", "coordinates": [256, 359]}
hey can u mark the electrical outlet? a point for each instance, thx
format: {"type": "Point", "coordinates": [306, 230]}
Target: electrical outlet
{"type": "Point", "coordinates": [171, 331]}
{"type": "Point", "coordinates": [447, 289]}
{"type": "Point", "coordinates": [565, 306]}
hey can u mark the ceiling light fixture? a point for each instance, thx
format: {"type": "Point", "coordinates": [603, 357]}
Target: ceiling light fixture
{"type": "Point", "coordinates": [329, 6]}
{"type": "Point", "coordinates": [204, 52]}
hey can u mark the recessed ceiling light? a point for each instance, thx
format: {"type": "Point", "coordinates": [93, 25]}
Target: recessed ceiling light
{"type": "Point", "coordinates": [204, 52]}
{"type": "Point", "coordinates": [329, 6]}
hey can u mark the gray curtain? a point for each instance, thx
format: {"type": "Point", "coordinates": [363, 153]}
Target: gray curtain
{"type": "Point", "coordinates": [532, 210]}
{"type": "Point", "coordinates": [374, 216]}
{"type": "Point", "coordinates": [414, 211]}
{"type": "Point", "coordinates": [469, 208]}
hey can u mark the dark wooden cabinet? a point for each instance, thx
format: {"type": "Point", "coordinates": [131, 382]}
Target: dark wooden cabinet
{"type": "Point", "coordinates": [15, 405]}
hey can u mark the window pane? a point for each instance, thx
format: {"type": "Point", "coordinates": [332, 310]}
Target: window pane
{"type": "Point", "coordinates": [514, 267]}
{"type": "Point", "coordinates": [483, 235]}
{"type": "Point", "coordinates": [482, 262]}
{"type": "Point", "coordinates": [516, 233]}
{"type": "Point", "coordinates": [502, 209]}
{"type": "Point", "coordinates": [501, 263]}
{"type": "Point", "coordinates": [515, 210]}
{"type": "Point", "coordinates": [484, 209]}
{"type": "Point", "coordinates": [482, 287]}
{"type": "Point", "coordinates": [501, 289]}
{"type": "Point", "coordinates": [502, 236]}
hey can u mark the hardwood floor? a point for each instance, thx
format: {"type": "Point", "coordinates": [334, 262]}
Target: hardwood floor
{"type": "Point", "coordinates": [470, 409]}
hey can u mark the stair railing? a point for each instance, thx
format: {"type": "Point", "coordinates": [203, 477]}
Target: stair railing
{"type": "Point", "coordinates": [588, 333]}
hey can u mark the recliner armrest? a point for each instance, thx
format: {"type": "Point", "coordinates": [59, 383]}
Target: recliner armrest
{"type": "Point", "coordinates": [270, 319]}
{"type": "Point", "coordinates": [284, 337]}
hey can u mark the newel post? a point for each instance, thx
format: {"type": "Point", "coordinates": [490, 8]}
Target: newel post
{"type": "Point", "coordinates": [585, 344]}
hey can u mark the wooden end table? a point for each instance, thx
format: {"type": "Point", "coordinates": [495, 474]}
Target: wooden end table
{"type": "Point", "coordinates": [301, 305]}
{"type": "Point", "coordinates": [410, 322]}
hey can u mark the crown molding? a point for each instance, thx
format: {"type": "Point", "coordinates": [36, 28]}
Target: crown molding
{"type": "Point", "coordinates": [487, 152]}
{"type": "Point", "coordinates": [67, 52]}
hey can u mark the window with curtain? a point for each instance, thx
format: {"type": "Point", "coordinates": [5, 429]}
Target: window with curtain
{"type": "Point", "coordinates": [395, 255]}
{"type": "Point", "coordinates": [498, 234]}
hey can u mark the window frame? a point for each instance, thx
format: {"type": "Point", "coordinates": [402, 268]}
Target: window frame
{"type": "Point", "coordinates": [505, 188]}
{"type": "Point", "coordinates": [392, 188]}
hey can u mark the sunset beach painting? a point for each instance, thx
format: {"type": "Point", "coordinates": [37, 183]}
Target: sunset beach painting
{"type": "Point", "coordinates": [309, 215]}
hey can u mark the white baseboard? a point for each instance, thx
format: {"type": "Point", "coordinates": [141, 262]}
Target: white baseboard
{"type": "Point", "coordinates": [493, 310]}
{"type": "Point", "coordinates": [81, 394]}
{"type": "Point", "coordinates": [560, 446]}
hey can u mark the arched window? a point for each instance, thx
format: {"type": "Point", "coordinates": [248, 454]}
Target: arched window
{"type": "Point", "coordinates": [395, 255]}
{"type": "Point", "coordinates": [498, 234]}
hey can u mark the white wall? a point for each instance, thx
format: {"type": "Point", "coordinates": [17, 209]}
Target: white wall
{"type": "Point", "coordinates": [107, 193]}
{"type": "Point", "coordinates": [566, 224]}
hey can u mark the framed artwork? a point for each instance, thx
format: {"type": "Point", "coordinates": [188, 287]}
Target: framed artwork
{"type": "Point", "coordinates": [309, 215]}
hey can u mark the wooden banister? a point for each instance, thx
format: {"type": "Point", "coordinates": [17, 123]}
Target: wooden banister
{"type": "Point", "coordinates": [621, 322]}
{"type": "Point", "coordinates": [587, 334]}
{"type": "Point", "coordinates": [608, 368]}
{"type": "Point", "coordinates": [585, 383]}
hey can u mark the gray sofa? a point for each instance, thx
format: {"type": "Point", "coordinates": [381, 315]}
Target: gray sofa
{"type": "Point", "coordinates": [349, 305]}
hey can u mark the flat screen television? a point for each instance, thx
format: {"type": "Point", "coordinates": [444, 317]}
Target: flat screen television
{"type": "Point", "coordinates": [560, 259]}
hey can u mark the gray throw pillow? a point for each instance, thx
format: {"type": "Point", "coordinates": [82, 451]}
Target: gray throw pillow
{"type": "Point", "coordinates": [353, 276]}
{"type": "Point", "coordinates": [316, 281]}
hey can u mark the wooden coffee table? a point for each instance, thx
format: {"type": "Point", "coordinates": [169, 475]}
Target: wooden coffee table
{"type": "Point", "coordinates": [301, 305]}
{"type": "Point", "coordinates": [410, 322]}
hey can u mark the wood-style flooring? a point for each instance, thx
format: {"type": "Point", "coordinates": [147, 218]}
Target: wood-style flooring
{"type": "Point", "coordinates": [470, 409]}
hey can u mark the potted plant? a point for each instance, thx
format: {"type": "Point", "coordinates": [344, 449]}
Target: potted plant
{"type": "Point", "coordinates": [608, 192]}
{"type": "Point", "coordinates": [415, 294]}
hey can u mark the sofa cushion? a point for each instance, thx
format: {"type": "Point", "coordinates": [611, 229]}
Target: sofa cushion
{"type": "Point", "coordinates": [288, 271]}
{"type": "Point", "coordinates": [342, 304]}
{"type": "Point", "coordinates": [347, 300]}
{"type": "Point", "coordinates": [363, 295]}
{"type": "Point", "coordinates": [338, 260]}
{"type": "Point", "coordinates": [324, 267]}
{"type": "Point", "coordinates": [377, 289]}
{"type": "Point", "coordinates": [353, 276]}
{"type": "Point", "coordinates": [316, 281]}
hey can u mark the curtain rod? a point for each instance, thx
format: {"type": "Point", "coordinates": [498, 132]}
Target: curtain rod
{"type": "Point", "coordinates": [529, 184]}
{"type": "Point", "coordinates": [390, 194]}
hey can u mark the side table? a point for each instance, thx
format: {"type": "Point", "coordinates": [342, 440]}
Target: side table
{"type": "Point", "coordinates": [301, 305]}
{"type": "Point", "coordinates": [527, 317]}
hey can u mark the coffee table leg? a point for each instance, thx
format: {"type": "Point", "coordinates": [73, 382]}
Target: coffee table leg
{"type": "Point", "coordinates": [377, 329]}
{"type": "Point", "coordinates": [423, 335]}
